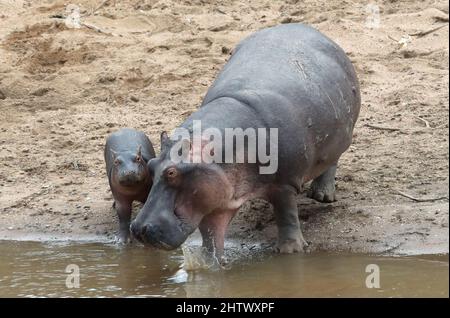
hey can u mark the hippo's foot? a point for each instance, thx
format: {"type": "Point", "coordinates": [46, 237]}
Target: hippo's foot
{"type": "Point", "coordinates": [123, 238]}
{"type": "Point", "coordinates": [124, 214]}
{"type": "Point", "coordinates": [323, 188]}
{"type": "Point", "coordinates": [213, 259]}
{"type": "Point", "coordinates": [212, 228]}
{"type": "Point", "coordinates": [322, 192]}
{"type": "Point", "coordinates": [290, 237]}
{"type": "Point", "coordinates": [289, 247]}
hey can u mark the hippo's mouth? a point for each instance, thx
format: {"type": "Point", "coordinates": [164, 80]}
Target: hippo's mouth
{"type": "Point", "coordinates": [183, 226]}
{"type": "Point", "coordinates": [158, 238]}
{"type": "Point", "coordinates": [158, 244]}
{"type": "Point", "coordinates": [162, 245]}
{"type": "Point", "coordinates": [130, 183]}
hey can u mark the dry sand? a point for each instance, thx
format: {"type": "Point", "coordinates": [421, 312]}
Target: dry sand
{"type": "Point", "coordinates": [147, 64]}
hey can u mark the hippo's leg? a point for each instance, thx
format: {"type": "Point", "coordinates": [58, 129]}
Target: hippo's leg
{"type": "Point", "coordinates": [123, 210]}
{"type": "Point", "coordinates": [213, 227]}
{"type": "Point", "coordinates": [290, 237]}
{"type": "Point", "coordinates": [323, 188]}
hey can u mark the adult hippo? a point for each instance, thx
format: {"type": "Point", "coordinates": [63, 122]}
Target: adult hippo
{"type": "Point", "coordinates": [290, 77]}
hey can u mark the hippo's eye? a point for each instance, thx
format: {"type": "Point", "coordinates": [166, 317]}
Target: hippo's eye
{"type": "Point", "coordinates": [117, 162]}
{"type": "Point", "coordinates": [171, 172]}
{"type": "Point", "coordinates": [137, 159]}
{"type": "Point", "coordinates": [172, 176]}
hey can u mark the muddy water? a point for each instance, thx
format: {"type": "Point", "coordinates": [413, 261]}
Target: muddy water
{"type": "Point", "coordinates": [30, 269]}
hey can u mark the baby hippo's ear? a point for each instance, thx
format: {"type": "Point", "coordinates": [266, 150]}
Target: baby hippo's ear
{"type": "Point", "coordinates": [139, 152]}
{"type": "Point", "coordinates": [113, 154]}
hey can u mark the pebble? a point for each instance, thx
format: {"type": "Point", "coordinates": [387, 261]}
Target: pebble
{"type": "Point", "coordinates": [40, 91]}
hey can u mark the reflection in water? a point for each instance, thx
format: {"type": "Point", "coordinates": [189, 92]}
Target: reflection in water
{"type": "Point", "coordinates": [30, 269]}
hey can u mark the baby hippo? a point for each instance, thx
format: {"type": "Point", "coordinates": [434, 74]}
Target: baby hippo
{"type": "Point", "coordinates": [127, 152]}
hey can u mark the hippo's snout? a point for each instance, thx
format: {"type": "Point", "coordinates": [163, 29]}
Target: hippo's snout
{"type": "Point", "coordinates": [151, 235]}
{"type": "Point", "coordinates": [163, 236]}
{"type": "Point", "coordinates": [130, 178]}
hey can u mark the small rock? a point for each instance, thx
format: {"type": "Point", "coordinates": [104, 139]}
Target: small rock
{"type": "Point", "coordinates": [134, 99]}
{"type": "Point", "coordinates": [225, 50]}
{"type": "Point", "coordinates": [2, 95]}
{"type": "Point", "coordinates": [347, 178]}
{"type": "Point", "coordinates": [107, 79]}
{"type": "Point", "coordinates": [41, 91]}
{"type": "Point", "coordinates": [219, 28]}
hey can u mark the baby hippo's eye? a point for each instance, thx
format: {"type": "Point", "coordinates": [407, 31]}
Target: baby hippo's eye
{"type": "Point", "coordinates": [117, 162]}
{"type": "Point", "coordinates": [138, 159]}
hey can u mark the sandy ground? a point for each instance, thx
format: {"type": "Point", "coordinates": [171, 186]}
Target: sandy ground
{"type": "Point", "coordinates": [147, 64]}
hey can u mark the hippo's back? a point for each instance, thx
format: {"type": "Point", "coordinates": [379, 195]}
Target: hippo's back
{"type": "Point", "coordinates": [291, 66]}
{"type": "Point", "coordinates": [293, 78]}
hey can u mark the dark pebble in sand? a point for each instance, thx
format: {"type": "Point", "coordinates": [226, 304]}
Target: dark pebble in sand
{"type": "Point", "coordinates": [40, 91]}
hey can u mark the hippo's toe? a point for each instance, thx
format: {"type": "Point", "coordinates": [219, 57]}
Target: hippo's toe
{"type": "Point", "coordinates": [291, 246]}
{"type": "Point", "coordinates": [322, 192]}
{"type": "Point", "coordinates": [322, 196]}
{"type": "Point", "coordinates": [323, 187]}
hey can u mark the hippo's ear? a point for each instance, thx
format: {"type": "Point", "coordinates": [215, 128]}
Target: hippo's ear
{"type": "Point", "coordinates": [186, 150]}
{"type": "Point", "coordinates": [113, 154]}
{"type": "Point", "coordinates": [139, 152]}
{"type": "Point", "coordinates": [164, 140]}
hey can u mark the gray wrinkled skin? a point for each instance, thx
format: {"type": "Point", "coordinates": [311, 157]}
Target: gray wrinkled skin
{"type": "Point", "coordinates": [289, 77]}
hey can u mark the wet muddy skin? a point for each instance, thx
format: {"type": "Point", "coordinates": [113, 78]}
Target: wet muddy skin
{"type": "Point", "coordinates": [31, 269]}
